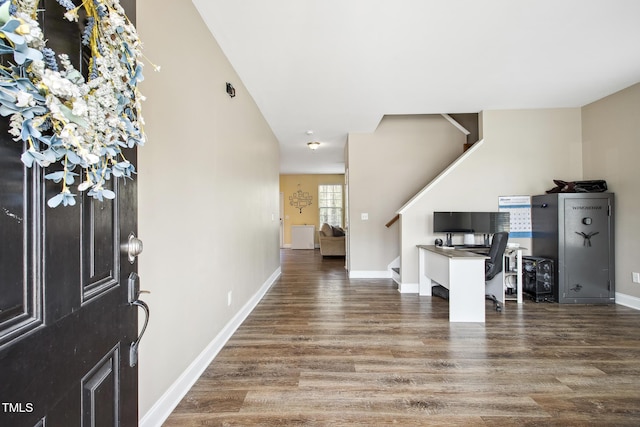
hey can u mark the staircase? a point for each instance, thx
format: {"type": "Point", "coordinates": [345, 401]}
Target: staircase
{"type": "Point", "coordinates": [395, 274]}
{"type": "Point", "coordinates": [467, 124]}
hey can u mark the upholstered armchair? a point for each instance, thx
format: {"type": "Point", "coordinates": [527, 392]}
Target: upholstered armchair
{"type": "Point", "coordinates": [332, 241]}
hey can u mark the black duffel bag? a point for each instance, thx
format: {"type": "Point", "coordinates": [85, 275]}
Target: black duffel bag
{"type": "Point", "coordinates": [590, 186]}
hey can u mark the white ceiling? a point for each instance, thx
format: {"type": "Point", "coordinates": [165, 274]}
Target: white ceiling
{"type": "Point", "coordinates": [337, 66]}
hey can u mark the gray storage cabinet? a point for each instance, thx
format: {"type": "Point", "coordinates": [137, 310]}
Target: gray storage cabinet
{"type": "Point", "coordinates": [576, 231]}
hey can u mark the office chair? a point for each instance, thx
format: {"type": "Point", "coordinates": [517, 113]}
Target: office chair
{"type": "Point", "coordinates": [493, 265]}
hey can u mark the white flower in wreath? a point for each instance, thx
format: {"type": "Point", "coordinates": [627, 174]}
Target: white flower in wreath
{"type": "Point", "coordinates": [79, 107]}
{"type": "Point", "coordinates": [24, 99]}
{"type": "Point", "coordinates": [57, 114]}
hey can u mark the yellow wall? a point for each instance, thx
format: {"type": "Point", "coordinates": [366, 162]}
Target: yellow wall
{"type": "Point", "coordinates": [309, 215]}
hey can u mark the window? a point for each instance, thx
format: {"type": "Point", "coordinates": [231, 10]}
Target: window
{"type": "Point", "coordinates": [330, 204]}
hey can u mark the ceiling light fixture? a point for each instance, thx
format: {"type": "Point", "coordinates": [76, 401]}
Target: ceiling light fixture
{"type": "Point", "coordinates": [313, 145]}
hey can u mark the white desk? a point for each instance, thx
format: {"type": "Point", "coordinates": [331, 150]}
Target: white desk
{"type": "Point", "coordinates": [459, 271]}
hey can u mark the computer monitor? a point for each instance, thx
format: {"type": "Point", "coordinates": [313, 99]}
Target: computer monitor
{"type": "Point", "coordinates": [489, 222]}
{"type": "Point", "coordinates": [486, 223]}
{"type": "Point", "coordinates": [452, 222]}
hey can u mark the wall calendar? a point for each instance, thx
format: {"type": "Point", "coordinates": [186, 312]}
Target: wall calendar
{"type": "Point", "coordinates": [519, 208]}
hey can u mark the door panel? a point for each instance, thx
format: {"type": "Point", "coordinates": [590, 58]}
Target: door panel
{"type": "Point", "coordinates": [100, 389]}
{"type": "Point", "coordinates": [586, 248]}
{"type": "Point", "coordinates": [65, 321]}
{"type": "Point", "coordinates": [101, 256]}
{"type": "Point", "coordinates": [20, 300]}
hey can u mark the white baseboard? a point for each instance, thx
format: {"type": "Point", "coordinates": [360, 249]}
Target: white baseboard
{"type": "Point", "coordinates": [628, 301]}
{"type": "Point", "coordinates": [409, 288]}
{"type": "Point", "coordinates": [161, 410]}
{"type": "Point", "coordinates": [370, 274]}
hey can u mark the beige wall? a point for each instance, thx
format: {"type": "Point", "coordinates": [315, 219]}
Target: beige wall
{"type": "Point", "coordinates": [311, 214]}
{"type": "Point", "coordinates": [611, 149]}
{"type": "Point", "coordinates": [208, 195]}
{"type": "Point", "coordinates": [523, 151]}
{"type": "Point", "coordinates": [208, 181]}
{"type": "Point", "coordinates": [386, 168]}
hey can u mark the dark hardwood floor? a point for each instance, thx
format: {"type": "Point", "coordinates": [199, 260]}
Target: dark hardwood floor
{"type": "Point", "coordinates": [323, 350]}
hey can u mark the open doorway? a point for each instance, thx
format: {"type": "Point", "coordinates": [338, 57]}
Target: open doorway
{"type": "Point", "coordinates": [281, 220]}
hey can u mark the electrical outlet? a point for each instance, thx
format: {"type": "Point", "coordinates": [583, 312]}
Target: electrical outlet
{"type": "Point", "coordinates": [229, 298]}
{"type": "Point", "coordinates": [635, 277]}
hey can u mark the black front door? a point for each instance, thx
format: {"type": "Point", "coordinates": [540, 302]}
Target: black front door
{"type": "Point", "coordinates": [66, 324]}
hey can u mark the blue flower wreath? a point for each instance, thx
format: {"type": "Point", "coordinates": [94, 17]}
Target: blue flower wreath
{"type": "Point", "coordinates": [60, 117]}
